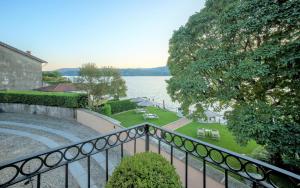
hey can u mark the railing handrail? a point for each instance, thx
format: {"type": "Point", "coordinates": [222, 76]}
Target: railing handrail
{"type": "Point", "coordinates": [29, 156]}
{"type": "Point", "coordinates": [147, 130]}
{"type": "Point", "coordinates": [255, 161]}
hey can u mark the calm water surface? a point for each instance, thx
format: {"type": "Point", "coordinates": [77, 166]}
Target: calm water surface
{"type": "Point", "coordinates": [152, 87]}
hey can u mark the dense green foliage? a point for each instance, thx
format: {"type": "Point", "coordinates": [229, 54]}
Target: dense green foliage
{"type": "Point", "coordinates": [243, 54]}
{"type": "Point", "coordinates": [121, 105]}
{"type": "Point", "coordinates": [131, 118]}
{"type": "Point", "coordinates": [144, 170]}
{"type": "Point", "coordinates": [68, 100]}
{"type": "Point", "coordinates": [102, 82]}
{"type": "Point", "coordinates": [54, 77]}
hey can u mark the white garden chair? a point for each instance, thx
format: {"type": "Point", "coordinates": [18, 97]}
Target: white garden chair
{"type": "Point", "coordinates": [140, 110]}
{"type": "Point", "coordinates": [215, 134]}
{"type": "Point", "coordinates": [207, 132]}
{"type": "Point", "coordinates": [201, 133]}
{"type": "Point", "coordinates": [150, 116]}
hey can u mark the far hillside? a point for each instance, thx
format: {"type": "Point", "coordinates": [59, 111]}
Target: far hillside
{"type": "Point", "coordinates": [157, 71]}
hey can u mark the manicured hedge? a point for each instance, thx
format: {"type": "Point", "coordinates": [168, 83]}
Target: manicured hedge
{"type": "Point", "coordinates": [121, 105]}
{"type": "Point", "coordinates": [146, 170]}
{"type": "Point", "coordinates": [68, 100]}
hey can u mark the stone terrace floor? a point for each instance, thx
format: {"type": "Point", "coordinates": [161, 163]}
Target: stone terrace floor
{"type": "Point", "coordinates": [23, 134]}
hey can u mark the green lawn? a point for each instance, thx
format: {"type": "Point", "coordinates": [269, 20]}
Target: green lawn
{"type": "Point", "coordinates": [227, 140]}
{"type": "Point", "coordinates": [130, 118]}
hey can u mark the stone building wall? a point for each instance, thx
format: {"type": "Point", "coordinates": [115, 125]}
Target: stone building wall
{"type": "Point", "coordinates": [18, 72]}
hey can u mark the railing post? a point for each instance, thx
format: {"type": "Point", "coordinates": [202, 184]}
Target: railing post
{"type": "Point", "coordinates": [106, 165]}
{"type": "Point", "coordinates": [147, 142]}
{"type": "Point", "coordinates": [67, 176]}
{"type": "Point", "coordinates": [38, 185]}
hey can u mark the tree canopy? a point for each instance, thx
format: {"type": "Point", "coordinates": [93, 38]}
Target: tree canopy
{"type": "Point", "coordinates": [98, 82]}
{"type": "Point", "coordinates": [243, 56]}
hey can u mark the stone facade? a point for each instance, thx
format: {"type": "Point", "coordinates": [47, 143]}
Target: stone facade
{"type": "Point", "coordinates": [19, 70]}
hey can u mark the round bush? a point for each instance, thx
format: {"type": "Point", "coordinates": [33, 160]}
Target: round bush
{"type": "Point", "coordinates": [144, 170]}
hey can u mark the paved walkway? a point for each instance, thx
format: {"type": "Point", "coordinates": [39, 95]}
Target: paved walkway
{"type": "Point", "coordinates": [177, 124]}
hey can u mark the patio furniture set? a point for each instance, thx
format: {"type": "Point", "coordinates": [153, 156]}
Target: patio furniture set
{"type": "Point", "coordinates": [146, 115]}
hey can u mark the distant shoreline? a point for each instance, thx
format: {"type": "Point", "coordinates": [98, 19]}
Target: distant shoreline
{"type": "Point", "coordinates": [157, 71]}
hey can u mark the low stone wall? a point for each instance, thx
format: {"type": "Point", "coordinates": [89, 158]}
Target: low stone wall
{"type": "Point", "coordinates": [96, 121]}
{"type": "Point", "coordinates": [53, 111]}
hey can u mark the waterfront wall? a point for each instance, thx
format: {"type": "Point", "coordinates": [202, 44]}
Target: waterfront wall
{"type": "Point", "coordinates": [96, 121]}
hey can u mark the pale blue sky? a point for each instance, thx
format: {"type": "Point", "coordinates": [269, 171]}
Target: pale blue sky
{"type": "Point", "coordinates": [119, 33]}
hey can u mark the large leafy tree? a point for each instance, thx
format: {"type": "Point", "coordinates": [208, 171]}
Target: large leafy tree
{"type": "Point", "coordinates": [243, 55]}
{"type": "Point", "coordinates": [100, 82]}
{"type": "Point", "coordinates": [118, 86]}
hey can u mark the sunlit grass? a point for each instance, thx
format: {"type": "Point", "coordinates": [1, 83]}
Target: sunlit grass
{"type": "Point", "coordinates": [130, 118]}
{"type": "Point", "coordinates": [227, 140]}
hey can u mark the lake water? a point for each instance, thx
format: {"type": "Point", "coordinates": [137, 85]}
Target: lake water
{"type": "Point", "coordinates": [152, 87]}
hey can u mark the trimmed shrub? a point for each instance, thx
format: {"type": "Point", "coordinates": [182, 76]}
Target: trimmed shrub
{"type": "Point", "coordinates": [144, 170]}
{"type": "Point", "coordinates": [68, 100]}
{"type": "Point", "coordinates": [106, 109]}
{"type": "Point", "coordinates": [121, 105]}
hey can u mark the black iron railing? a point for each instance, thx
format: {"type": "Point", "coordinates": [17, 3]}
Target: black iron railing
{"type": "Point", "coordinates": [258, 173]}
